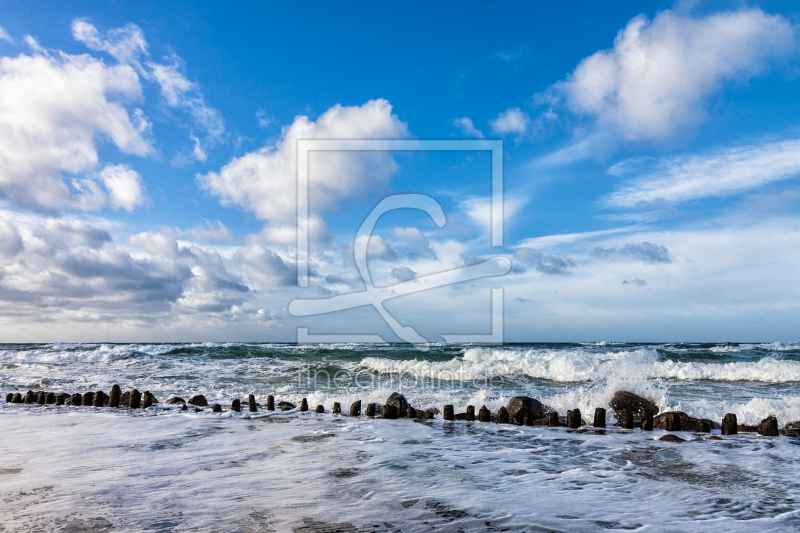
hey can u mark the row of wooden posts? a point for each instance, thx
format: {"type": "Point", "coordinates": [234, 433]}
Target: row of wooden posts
{"type": "Point", "coordinates": [137, 400]}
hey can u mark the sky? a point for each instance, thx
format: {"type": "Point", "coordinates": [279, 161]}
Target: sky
{"type": "Point", "coordinates": [148, 169]}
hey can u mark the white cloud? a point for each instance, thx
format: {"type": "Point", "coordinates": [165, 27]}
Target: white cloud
{"type": "Point", "coordinates": [479, 209]}
{"type": "Point", "coordinates": [124, 186]}
{"type": "Point", "coordinates": [128, 46]}
{"type": "Point", "coordinates": [511, 121]}
{"type": "Point", "coordinates": [207, 232]}
{"type": "Point", "coordinates": [53, 110]}
{"type": "Point", "coordinates": [551, 241]}
{"type": "Point", "coordinates": [264, 182]}
{"type": "Point", "coordinates": [4, 36]}
{"type": "Point", "coordinates": [656, 78]}
{"type": "Point", "coordinates": [715, 174]}
{"type": "Point", "coordinates": [467, 127]}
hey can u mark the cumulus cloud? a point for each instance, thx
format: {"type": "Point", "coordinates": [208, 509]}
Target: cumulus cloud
{"type": "Point", "coordinates": [128, 46]}
{"type": "Point", "coordinates": [646, 252]}
{"type": "Point", "coordinates": [266, 266]}
{"type": "Point", "coordinates": [658, 75]}
{"type": "Point", "coordinates": [53, 110]}
{"type": "Point", "coordinates": [546, 264]}
{"type": "Point", "coordinates": [511, 121]}
{"type": "Point", "coordinates": [264, 182]}
{"type": "Point", "coordinates": [403, 273]}
{"type": "Point", "coordinates": [467, 127]}
{"type": "Point", "coordinates": [719, 173]}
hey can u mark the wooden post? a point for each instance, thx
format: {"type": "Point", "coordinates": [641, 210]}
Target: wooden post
{"type": "Point", "coordinates": [448, 413]}
{"type": "Point", "coordinates": [769, 427]}
{"type": "Point", "coordinates": [61, 398]}
{"type": "Point", "coordinates": [647, 420]}
{"type": "Point", "coordinates": [9, 397]}
{"type": "Point", "coordinates": [599, 418]}
{"type": "Point", "coordinates": [76, 399]}
{"type": "Point", "coordinates": [627, 419]}
{"type": "Point", "coordinates": [673, 422]}
{"type": "Point", "coordinates": [370, 409]}
{"type": "Point", "coordinates": [147, 399]}
{"type": "Point", "coordinates": [251, 403]}
{"type": "Point", "coordinates": [729, 425]}
{"type": "Point", "coordinates": [337, 408]}
{"type": "Point", "coordinates": [484, 415]}
{"type": "Point", "coordinates": [236, 405]}
{"type": "Point", "coordinates": [136, 399]}
{"type": "Point", "coordinates": [114, 397]}
{"type": "Point", "coordinates": [470, 413]}
{"type": "Point", "coordinates": [574, 420]}
{"type": "Point", "coordinates": [217, 408]}
{"type": "Point", "coordinates": [552, 420]}
{"type": "Point", "coordinates": [98, 399]}
{"type": "Point", "coordinates": [41, 397]}
{"type": "Point", "coordinates": [320, 410]}
{"type": "Point", "coordinates": [270, 403]}
{"type": "Point", "coordinates": [411, 412]}
{"type": "Point", "coordinates": [355, 408]}
{"type": "Point", "coordinates": [88, 399]}
{"type": "Point", "coordinates": [49, 398]}
{"type": "Point", "coordinates": [502, 416]}
{"type": "Point", "coordinates": [303, 405]}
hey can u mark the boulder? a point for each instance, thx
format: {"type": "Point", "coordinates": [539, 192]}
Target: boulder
{"type": "Point", "coordinates": [519, 407]}
{"type": "Point", "coordinates": [628, 401]}
{"type": "Point", "coordinates": [355, 408]}
{"type": "Point", "coordinates": [389, 412]}
{"type": "Point", "coordinates": [430, 414]}
{"type": "Point", "coordinates": [198, 400]}
{"type": "Point", "coordinates": [115, 396]}
{"type": "Point", "coordinates": [684, 423]}
{"type": "Point", "coordinates": [768, 427]}
{"type": "Point", "coordinates": [398, 401]}
{"type": "Point", "coordinates": [672, 438]}
{"type": "Point", "coordinates": [704, 427]}
{"type": "Point", "coordinates": [175, 400]}
{"type": "Point", "coordinates": [286, 406]}
{"type": "Point", "coordinates": [744, 428]}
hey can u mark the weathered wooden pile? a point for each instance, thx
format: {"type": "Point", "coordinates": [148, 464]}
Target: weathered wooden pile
{"type": "Point", "coordinates": [630, 410]}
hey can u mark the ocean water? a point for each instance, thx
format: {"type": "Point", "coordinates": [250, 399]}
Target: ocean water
{"type": "Point", "coordinates": [95, 469]}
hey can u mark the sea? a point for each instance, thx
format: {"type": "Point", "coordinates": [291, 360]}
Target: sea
{"type": "Point", "coordinates": [160, 469]}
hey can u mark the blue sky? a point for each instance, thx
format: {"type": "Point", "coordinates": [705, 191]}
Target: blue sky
{"type": "Point", "coordinates": [147, 167]}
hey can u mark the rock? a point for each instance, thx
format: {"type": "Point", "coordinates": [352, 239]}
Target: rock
{"type": "Point", "coordinates": [270, 403]}
{"type": "Point", "coordinates": [175, 400]}
{"type": "Point", "coordinates": [647, 420]}
{"type": "Point", "coordinates": [370, 411]}
{"type": "Point", "coordinates": [88, 399]}
{"type": "Point", "coordinates": [337, 408]}
{"type": "Point", "coordinates": [199, 400]}
{"type": "Point", "coordinates": [61, 398]}
{"type": "Point", "coordinates": [714, 437]}
{"type": "Point", "coordinates": [470, 413]}
{"type": "Point", "coordinates": [115, 396]}
{"type": "Point", "coordinates": [768, 427]}
{"type": "Point", "coordinates": [303, 405]}
{"type": "Point", "coordinates": [744, 428]}
{"type": "Point", "coordinates": [552, 419]}
{"type": "Point", "coordinates": [502, 416]}
{"type": "Point", "coordinates": [729, 425]}
{"type": "Point", "coordinates": [153, 399]}
{"type": "Point", "coordinates": [184, 407]}
{"type": "Point", "coordinates": [320, 410]}
{"type": "Point", "coordinates": [76, 399]}
{"type": "Point", "coordinates": [519, 407]}
{"type": "Point", "coordinates": [41, 397]}
{"type": "Point", "coordinates": [50, 398]}
{"type": "Point", "coordinates": [9, 397]}
{"type": "Point", "coordinates": [574, 419]}
{"type": "Point", "coordinates": [147, 399]}
{"type": "Point", "coordinates": [792, 425]}
{"type": "Point", "coordinates": [389, 412]}
{"type": "Point", "coordinates": [685, 422]}
{"type": "Point", "coordinates": [629, 401]}
{"type": "Point", "coordinates": [286, 406]}
{"type": "Point", "coordinates": [672, 421]}
{"type": "Point", "coordinates": [484, 415]}
{"type": "Point", "coordinates": [236, 405]}
{"type": "Point", "coordinates": [198, 410]}
{"type": "Point", "coordinates": [217, 408]}
{"type": "Point", "coordinates": [399, 402]}
{"type": "Point", "coordinates": [527, 421]}
{"type": "Point", "coordinates": [599, 417]}
{"type": "Point", "coordinates": [17, 398]}
{"type": "Point", "coordinates": [98, 399]}
{"type": "Point", "coordinates": [252, 406]}
{"type": "Point", "coordinates": [135, 399]}
{"type": "Point", "coordinates": [411, 412]}
{"type": "Point", "coordinates": [448, 413]}
{"type": "Point", "coordinates": [430, 415]}
{"type": "Point", "coordinates": [672, 438]}
{"type": "Point", "coordinates": [626, 419]}
{"type": "Point", "coordinates": [704, 427]}
{"type": "Point", "coordinates": [30, 397]}
{"type": "Point", "coordinates": [355, 408]}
